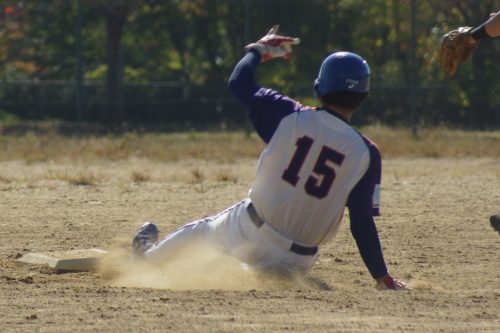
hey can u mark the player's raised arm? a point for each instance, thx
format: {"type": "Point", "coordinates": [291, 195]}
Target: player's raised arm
{"type": "Point", "coordinates": [242, 81]}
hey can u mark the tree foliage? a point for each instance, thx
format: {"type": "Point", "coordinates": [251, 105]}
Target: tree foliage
{"type": "Point", "coordinates": [196, 43]}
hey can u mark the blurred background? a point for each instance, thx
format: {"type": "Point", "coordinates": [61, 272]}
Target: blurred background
{"type": "Point", "coordinates": [166, 62]}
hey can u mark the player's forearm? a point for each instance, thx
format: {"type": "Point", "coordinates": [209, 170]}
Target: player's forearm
{"type": "Point", "coordinates": [493, 25]}
{"type": "Point", "coordinates": [490, 28]}
{"type": "Point", "coordinates": [242, 81]}
{"type": "Point", "coordinates": [364, 231]}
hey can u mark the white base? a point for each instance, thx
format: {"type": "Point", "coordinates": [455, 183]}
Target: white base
{"type": "Point", "coordinates": [75, 260]}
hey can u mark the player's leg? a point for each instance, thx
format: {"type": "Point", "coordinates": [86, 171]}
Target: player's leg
{"type": "Point", "coordinates": [216, 231]}
{"type": "Point", "coordinates": [177, 241]}
{"type": "Point", "coordinates": [234, 232]}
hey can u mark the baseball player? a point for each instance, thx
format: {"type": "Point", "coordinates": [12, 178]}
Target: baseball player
{"type": "Point", "coordinates": [456, 46]}
{"type": "Point", "coordinates": [313, 166]}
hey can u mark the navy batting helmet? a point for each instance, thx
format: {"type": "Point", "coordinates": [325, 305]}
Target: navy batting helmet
{"type": "Point", "coordinates": [343, 71]}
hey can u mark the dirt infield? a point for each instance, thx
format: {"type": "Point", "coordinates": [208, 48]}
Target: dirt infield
{"type": "Point", "coordinates": [434, 230]}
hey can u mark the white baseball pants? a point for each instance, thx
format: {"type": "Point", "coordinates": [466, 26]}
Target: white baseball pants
{"type": "Point", "coordinates": [235, 231]}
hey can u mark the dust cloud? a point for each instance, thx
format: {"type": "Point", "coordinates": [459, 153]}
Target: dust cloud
{"type": "Point", "coordinates": [196, 268]}
{"type": "Point", "coordinates": [419, 284]}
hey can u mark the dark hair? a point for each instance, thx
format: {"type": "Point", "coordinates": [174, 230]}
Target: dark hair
{"type": "Point", "coordinates": [345, 99]}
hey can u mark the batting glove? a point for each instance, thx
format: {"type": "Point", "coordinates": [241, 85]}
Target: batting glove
{"type": "Point", "coordinates": [273, 46]}
{"type": "Point", "coordinates": [390, 283]}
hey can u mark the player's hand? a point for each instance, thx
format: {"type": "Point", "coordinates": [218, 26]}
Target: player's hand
{"type": "Point", "coordinates": [273, 46]}
{"type": "Point", "coordinates": [390, 283]}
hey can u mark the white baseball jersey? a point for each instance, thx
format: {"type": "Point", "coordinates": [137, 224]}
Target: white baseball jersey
{"type": "Point", "coordinates": [302, 184]}
{"type": "Point", "coordinates": [306, 173]}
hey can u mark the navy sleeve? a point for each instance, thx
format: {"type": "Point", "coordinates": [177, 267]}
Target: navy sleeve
{"type": "Point", "coordinates": [266, 107]}
{"type": "Point", "coordinates": [361, 211]}
{"type": "Point", "coordinates": [242, 81]}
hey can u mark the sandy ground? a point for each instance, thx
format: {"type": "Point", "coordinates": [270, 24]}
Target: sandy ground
{"type": "Point", "coordinates": [434, 231]}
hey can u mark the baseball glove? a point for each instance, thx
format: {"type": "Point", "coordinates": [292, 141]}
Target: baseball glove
{"type": "Point", "coordinates": [274, 46]}
{"type": "Point", "coordinates": [454, 48]}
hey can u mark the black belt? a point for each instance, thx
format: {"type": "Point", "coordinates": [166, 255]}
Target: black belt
{"type": "Point", "coordinates": [295, 248]}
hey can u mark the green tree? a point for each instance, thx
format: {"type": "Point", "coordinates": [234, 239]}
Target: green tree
{"type": "Point", "coordinates": [115, 12]}
{"type": "Point", "coordinates": [195, 44]}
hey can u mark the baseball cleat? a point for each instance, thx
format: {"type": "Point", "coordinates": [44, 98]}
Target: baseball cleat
{"type": "Point", "coordinates": [495, 222]}
{"type": "Point", "coordinates": [144, 238]}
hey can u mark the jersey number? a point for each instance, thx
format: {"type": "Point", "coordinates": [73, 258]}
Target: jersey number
{"type": "Point", "coordinates": [318, 184]}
